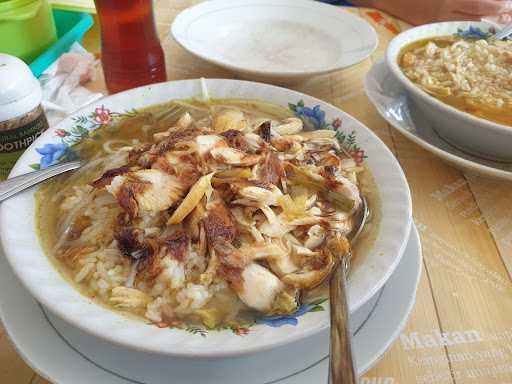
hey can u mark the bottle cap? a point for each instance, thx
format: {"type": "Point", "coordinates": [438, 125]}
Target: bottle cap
{"type": "Point", "coordinates": [20, 91]}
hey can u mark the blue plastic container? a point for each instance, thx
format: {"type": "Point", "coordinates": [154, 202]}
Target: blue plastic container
{"type": "Point", "coordinates": [71, 27]}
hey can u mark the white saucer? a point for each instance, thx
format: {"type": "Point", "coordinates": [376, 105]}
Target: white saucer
{"type": "Point", "coordinates": [388, 96]}
{"type": "Point", "coordinates": [280, 40]}
{"type": "Point", "coordinates": [62, 354]}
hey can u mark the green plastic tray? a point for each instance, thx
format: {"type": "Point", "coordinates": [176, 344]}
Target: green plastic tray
{"type": "Point", "coordinates": [71, 27]}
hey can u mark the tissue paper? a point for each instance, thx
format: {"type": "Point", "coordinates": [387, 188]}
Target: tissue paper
{"type": "Point", "coordinates": [62, 82]}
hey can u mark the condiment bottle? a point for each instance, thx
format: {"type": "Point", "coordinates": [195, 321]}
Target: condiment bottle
{"type": "Point", "coordinates": [131, 53]}
{"type": "Point", "coordinates": [22, 119]}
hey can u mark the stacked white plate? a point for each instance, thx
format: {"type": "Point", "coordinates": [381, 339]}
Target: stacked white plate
{"type": "Point", "coordinates": [63, 354]}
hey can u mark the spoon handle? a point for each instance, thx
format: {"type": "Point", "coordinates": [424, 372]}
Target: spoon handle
{"type": "Point", "coordinates": [17, 184]}
{"type": "Point", "coordinates": [341, 363]}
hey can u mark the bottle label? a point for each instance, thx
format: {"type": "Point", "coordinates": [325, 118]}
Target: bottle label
{"type": "Point", "coordinates": [13, 142]}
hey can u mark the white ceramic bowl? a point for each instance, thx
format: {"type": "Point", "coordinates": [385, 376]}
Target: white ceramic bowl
{"type": "Point", "coordinates": [274, 40]}
{"type": "Point", "coordinates": [472, 134]}
{"type": "Point", "coordinates": [370, 271]}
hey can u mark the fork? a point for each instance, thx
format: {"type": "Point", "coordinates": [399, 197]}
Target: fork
{"type": "Point", "coordinates": [503, 33]}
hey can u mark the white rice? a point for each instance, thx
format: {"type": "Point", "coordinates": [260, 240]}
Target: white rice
{"type": "Point", "coordinates": [106, 268]}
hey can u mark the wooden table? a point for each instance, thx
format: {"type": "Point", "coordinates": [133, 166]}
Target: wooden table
{"type": "Point", "coordinates": [465, 224]}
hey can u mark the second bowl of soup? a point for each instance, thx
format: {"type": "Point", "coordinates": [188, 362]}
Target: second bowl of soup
{"type": "Point", "coordinates": [460, 80]}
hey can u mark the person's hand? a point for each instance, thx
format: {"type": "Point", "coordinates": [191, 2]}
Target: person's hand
{"type": "Point", "coordinates": [471, 9]}
{"type": "Point", "coordinates": [428, 11]}
{"type": "Point", "coordinates": [505, 18]}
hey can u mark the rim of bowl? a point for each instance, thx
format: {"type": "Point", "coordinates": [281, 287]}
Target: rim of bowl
{"type": "Point", "coordinates": [178, 27]}
{"type": "Point", "coordinates": [403, 39]}
{"type": "Point", "coordinates": [197, 352]}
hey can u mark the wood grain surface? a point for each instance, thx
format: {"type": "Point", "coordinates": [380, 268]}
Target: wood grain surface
{"type": "Point", "coordinates": [461, 328]}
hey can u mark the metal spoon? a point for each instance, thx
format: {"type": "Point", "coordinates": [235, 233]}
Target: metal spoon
{"type": "Point", "coordinates": [10, 187]}
{"type": "Point", "coordinates": [341, 362]}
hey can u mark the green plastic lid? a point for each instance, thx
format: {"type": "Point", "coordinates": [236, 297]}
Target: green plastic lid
{"type": "Point", "coordinates": [18, 9]}
{"type": "Point", "coordinates": [30, 27]}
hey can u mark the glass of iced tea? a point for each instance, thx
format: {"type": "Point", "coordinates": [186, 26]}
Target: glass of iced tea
{"type": "Point", "coordinates": [131, 52]}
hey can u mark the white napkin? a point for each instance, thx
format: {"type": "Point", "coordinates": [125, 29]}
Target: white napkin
{"type": "Point", "coordinates": [61, 83]}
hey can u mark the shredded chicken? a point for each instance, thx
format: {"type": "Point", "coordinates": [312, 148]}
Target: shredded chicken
{"type": "Point", "coordinates": [229, 206]}
{"type": "Point", "coordinates": [145, 190]}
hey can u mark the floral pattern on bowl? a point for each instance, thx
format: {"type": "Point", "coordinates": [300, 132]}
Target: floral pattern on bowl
{"type": "Point", "coordinates": [473, 32]}
{"type": "Point", "coordinates": [53, 153]}
{"type": "Point", "coordinates": [314, 118]}
{"type": "Point", "coordinates": [83, 126]}
{"type": "Point", "coordinates": [278, 321]}
{"type": "Point", "coordinates": [244, 328]}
